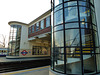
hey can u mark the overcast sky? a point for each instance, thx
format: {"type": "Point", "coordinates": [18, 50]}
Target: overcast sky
{"type": "Point", "coordinates": [20, 10]}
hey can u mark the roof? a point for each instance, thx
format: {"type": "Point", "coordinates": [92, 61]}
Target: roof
{"type": "Point", "coordinates": [16, 22]}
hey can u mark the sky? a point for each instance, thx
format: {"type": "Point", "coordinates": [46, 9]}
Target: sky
{"type": "Point", "coordinates": [20, 10]}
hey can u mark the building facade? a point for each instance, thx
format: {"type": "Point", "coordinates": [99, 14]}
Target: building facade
{"type": "Point", "coordinates": [69, 30]}
{"type": "Point", "coordinates": [30, 40]}
{"type": "Point", "coordinates": [76, 51]}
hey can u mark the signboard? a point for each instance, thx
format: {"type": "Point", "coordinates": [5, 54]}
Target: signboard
{"type": "Point", "coordinates": [24, 52]}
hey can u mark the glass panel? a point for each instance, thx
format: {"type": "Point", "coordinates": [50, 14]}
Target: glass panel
{"type": "Point", "coordinates": [37, 26]}
{"type": "Point", "coordinates": [97, 50]}
{"type": "Point", "coordinates": [51, 61]}
{"type": "Point", "coordinates": [58, 2]}
{"type": "Point", "coordinates": [14, 43]}
{"type": "Point", "coordinates": [92, 1]}
{"type": "Point", "coordinates": [59, 39]}
{"type": "Point", "coordinates": [96, 39]}
{"type": "Point", "coordinates": [69, 0]}
{"type": "Point", "coordinates": [33, 29]}
{"type": "Point", "coordinates": [66, 0]}
{"type": "Point", "coordinates": [89, 64]}
{"type": "Point", "coordinates": [85, 0]}
{"type": "Point", "coordinates": [86, 38]}
{"type": "Point", "coordinates": [98, 61]}
{"type": "Point", "coordinates": [73, 64]}
{"type": "Point", "coordinates": [92, 8]}
{"type": "Point", "coordinates": [72, 37]}
{"type": "Point", "coordinates": [94, 27]}
{"type": "Point", "coordinates": [87, 50]}
{"type": "Point", "coordinates": [58, 63]}
{"type": "Point", "coordinates": [86, 25]}
{"type": "Point", "coordinates": [58, 17]}
{"type": "Point", "coordinates": [29, 30]}
{"type": "Point", "coordinates": [60, 27]}
{"type": "Point", "coordinates": [71, 25]}
{"type": "Point", "coordinates": [58, 7]}
{"type": "Point", "coordinates": [84, 14]}
{"type": "Point", "coordinates": [59, 59]}
{"type": "Point", "coordinates": [69, 15]}
{"type": "Point", "coordinates": [72, 3]}
{"type": "Point", "coordinates": [48, 21]}
{"type": "Point", "coordinates": [93, 17]}
{"type": "Point", "coordinates": [39, 50]}
{"type": "Point", "coordinates": [84, 3]}
{"type": "Point", "coordinates": [42, 24]}
{"type": "Point", "coordinates": [73, 51]}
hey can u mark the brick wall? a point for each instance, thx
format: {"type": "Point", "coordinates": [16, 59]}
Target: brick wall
{"type": "Point", "coordinates": [45, 30]}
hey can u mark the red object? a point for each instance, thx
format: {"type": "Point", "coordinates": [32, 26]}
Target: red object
{"type": "Point", "coordinates": [24, 52]}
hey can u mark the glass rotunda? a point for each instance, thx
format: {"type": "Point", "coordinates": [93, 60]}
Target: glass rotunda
{"type": "Point", "coordinates": [75, 48]}
{"type": "Point", "coordinates": [14, 39]}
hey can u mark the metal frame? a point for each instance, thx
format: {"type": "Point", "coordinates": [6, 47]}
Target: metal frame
{"type": "Point", "coordinates": [12, 37]}
{"type": "Point", "coordinates": [79, 21]}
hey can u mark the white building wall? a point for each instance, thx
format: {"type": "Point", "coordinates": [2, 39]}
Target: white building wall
{"type": "Point", "coordinates": [24, 44]}
{"type": "Point", "coordinates": [97, 10]}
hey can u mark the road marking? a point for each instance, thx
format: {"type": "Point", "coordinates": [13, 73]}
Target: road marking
{"type": "Point", "coordinates": [26, 70]}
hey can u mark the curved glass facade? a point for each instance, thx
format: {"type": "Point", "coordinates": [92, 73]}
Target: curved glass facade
{"type": "Point", "coordinates": [14, 40]}
{"type": "Point", "coordinates": [75, 48]}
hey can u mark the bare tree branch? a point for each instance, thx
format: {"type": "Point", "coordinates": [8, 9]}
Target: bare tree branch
{"type": "Point", "coordinates": [3, 40]}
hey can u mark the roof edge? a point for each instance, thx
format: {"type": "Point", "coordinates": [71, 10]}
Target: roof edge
{"type": "Point", "coordinates": [16, 22]}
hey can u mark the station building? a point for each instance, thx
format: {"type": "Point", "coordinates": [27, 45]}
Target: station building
{"type": "Point", "coordinates": [30, 40]}
{"type": "Point", "coordinates": [69, 31]}
{"type": "Point", "coordinates": [75, 45]}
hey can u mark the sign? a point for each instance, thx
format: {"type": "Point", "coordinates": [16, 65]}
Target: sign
{"type": "Point", "coordinates": [24, 52]}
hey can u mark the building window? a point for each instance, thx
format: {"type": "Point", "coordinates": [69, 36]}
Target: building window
{"type": "Point", "coordinates": [58, 17]}
{"type": "Point", "coordinates": [42, 24]}
{"type": "Point", "coordinates": [33, 29]}
{"type": "Point", "coordinates": [48, 21]}
{"type": "Point", "coordinates": [39, 50]}
{"type": "Point", "coordinates": [69, 15]}
{"type": "Point", "coordinates": [29, 30]}
{"type": "Point", "coordinates": [37, 26]}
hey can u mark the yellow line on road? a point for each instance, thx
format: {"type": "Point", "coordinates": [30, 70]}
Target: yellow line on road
{"type": "Point", "coordinates": [25, 70]}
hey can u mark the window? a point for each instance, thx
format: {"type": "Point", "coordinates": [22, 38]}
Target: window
{"type": "Point", "coordinates": [48, 21]}
{"type": "Point", "coordinates": [72, 37]}
{"type": "Point", "coordinates": [71, 25]}
{"type": "Point", "coordinates": [37, 26]}
{"type": "Point", "coordinates": [84, 14]}
{"type": "Point", "coordinates": [60, 27]}
{"type": "Point", "coordinates": [58, 17]}
{"type": "Point", "coordinates": [59, 40]}
{"type": "Point", "coordinates": [29, 30]}
{"type": "Point", "coordinates": [69, 15]}
{"type": "Point", "coordinates": [33, 29]}
{"type": "Point", "coordinates": [39, 50]}
{"type": "Point", "coordinates": [42, 24]}
{"type": "Point", "coordinates": [72, 3]}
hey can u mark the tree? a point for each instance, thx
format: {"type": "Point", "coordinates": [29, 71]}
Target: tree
{"type": "Point", "coordinates": [3, 40]}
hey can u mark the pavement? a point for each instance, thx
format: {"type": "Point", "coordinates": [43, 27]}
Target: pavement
{"type": "Point", "coordinates": [34, 71]}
